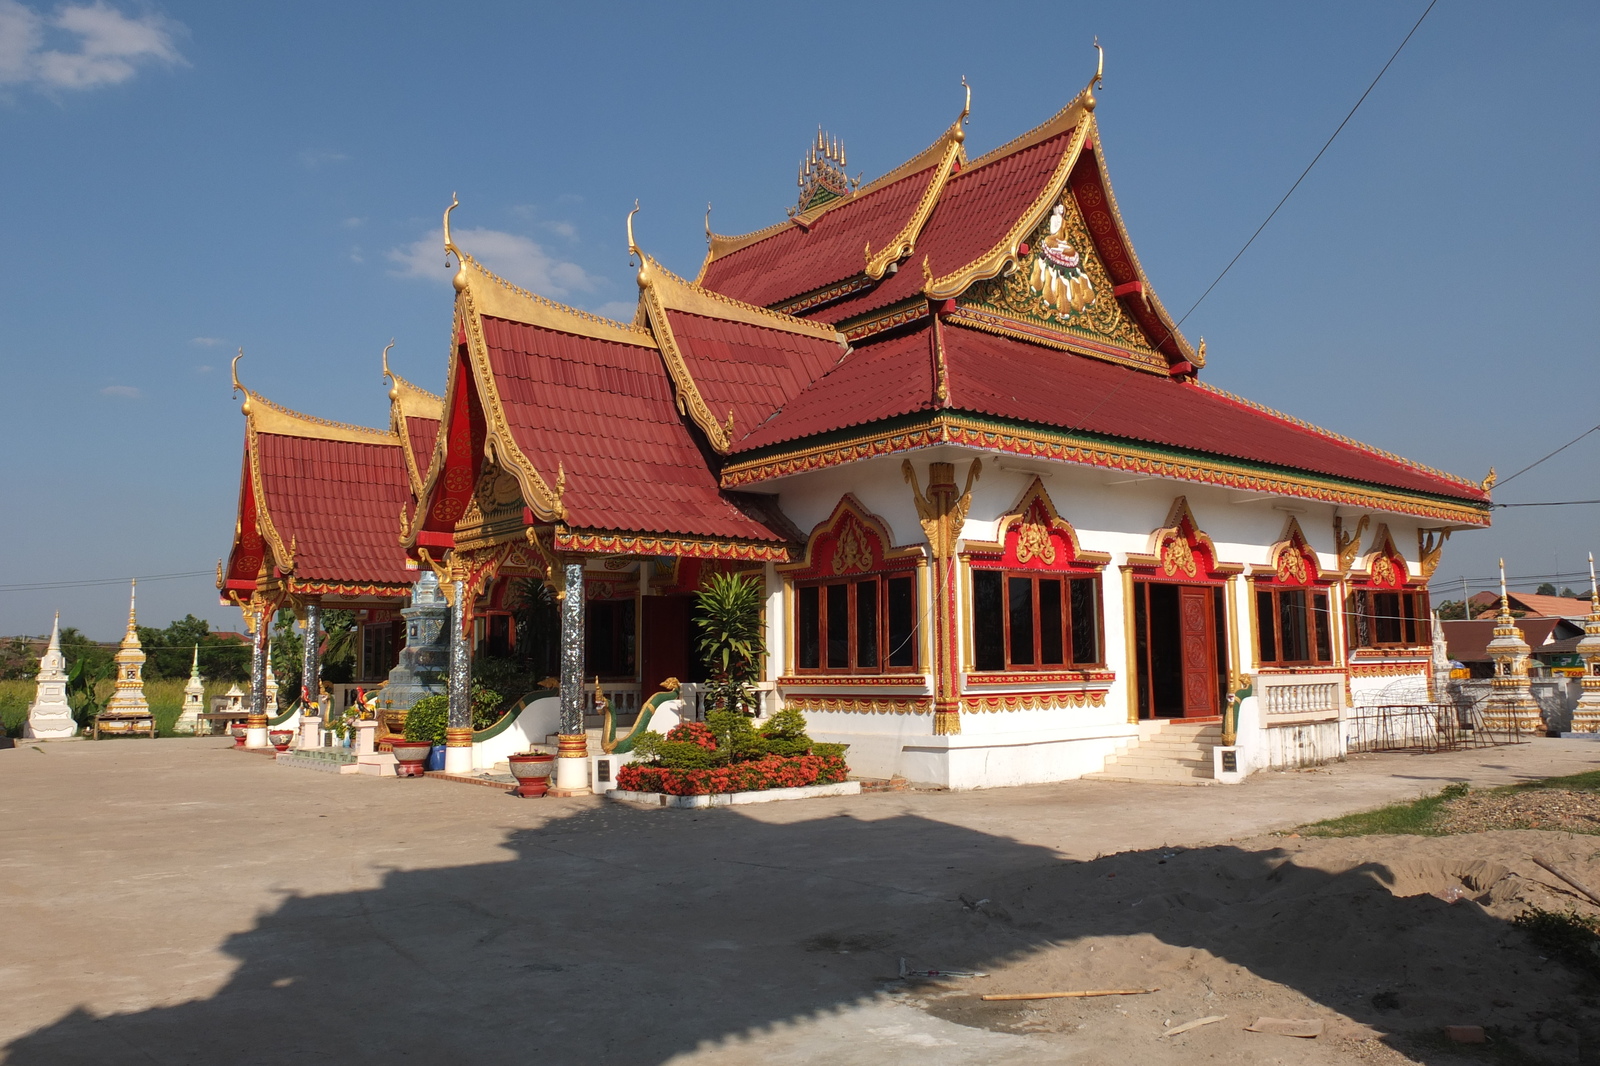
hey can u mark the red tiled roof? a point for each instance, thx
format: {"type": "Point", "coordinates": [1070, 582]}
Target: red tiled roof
{"type": "Point", "coordinates": [978, 206]}
{"type": "Point", "coordinates": [422, 432]}
{"type": "Point", "coordinates": [338, 503]}
{"type": "Point", "coordinates": [1467, 641]}
{"type": "Point", "coordinates": [794, 260]}
{"type": "Point", "coordinates": [605, 411]}
{"type": "Point", "coordinates": [1012, 379]}
{"type": "Point", "coordinates": [747, 369]}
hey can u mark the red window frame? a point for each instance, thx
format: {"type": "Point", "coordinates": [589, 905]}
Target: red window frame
{"type": "Point", "coordinates": [893, 625]}
{"type": "Point", "coordinates": [1067, 637]}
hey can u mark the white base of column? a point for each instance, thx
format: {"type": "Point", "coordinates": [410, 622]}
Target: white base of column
{"type": "Point", "coordinates": [256, 738]}
{"type": "Point", "coordinates": [310, 732]}
{"type": "Point", "coordinates": [458, 760]}
{"type": "Point", "coordinates": [572, 775]}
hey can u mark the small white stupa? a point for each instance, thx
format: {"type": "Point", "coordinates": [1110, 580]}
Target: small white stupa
{"type": "Point", "coordinates": [194, 699]}
{"type": "Point", "coordinates": [50, 715]}
{"type": "Point", "coordinates": [272, 685]}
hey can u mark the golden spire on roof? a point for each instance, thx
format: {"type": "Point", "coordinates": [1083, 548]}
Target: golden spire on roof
{"type": "Point", "coordinates": [822, 174]}
{"type": "Point", "coordinates": [460, 280]}
{"type": "Point", "coordinates": [958, 134]}
{"type": "Point", "coordinates": [394, 383]}
{"type": "Point", "coordinates": [708, 223]}
{"type": "Point", "coordinates": [643, 277]}
{"type": "Point", "coordinates": [233, 369]}
{"type": "Point", "coordinates": [1098, 81]}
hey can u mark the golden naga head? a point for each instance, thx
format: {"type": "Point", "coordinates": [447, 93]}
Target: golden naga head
{"type": "Point", "coordinates": [394, 382]}
{"type": "Point", "coordinates": [1098, 81]}
{"type": "Point", "coordinates": [460, 280]}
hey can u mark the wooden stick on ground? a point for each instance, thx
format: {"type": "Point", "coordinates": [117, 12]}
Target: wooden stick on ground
{"type": "Point", "coordinates": [1075, 995]}
{"type": "Point", "coordinates": [1568, 878]}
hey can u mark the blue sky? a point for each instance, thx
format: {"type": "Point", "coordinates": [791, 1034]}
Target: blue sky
{"type": "Point", "coordinates": [186, 178]}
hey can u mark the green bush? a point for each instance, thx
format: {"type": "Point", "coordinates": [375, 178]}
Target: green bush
{"type": "Point", "coordinates": [785, 733]}
{"type": "Point", "coordinates": [737, 739]}
{"type": "Point", "coordinates": [684, 755]}
{"type": "Point", "coordinates": [427, 719]}
{"type": "Point", "coordinates": [485, 706]}
{"type": "Point", "coordinates": [829, 751]}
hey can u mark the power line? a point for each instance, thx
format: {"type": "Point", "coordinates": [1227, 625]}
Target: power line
{"type": "Point", "coordinates": [1217, 280]}
{"type": "Point", "coordinates": [41, 586]}
{"type": "Point", "coordinates": [1536, 462]}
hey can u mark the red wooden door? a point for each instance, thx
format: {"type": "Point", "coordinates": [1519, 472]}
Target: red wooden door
{"type": "Point", "coordinates": [665, 644]}
{"type": "Point", "coordinates": [1198, 636]}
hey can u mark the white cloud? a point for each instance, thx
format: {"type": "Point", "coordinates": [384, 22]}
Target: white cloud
{"type": "Point", "coordinates": [621, 310]}
{"type": "Point", "coordinates": [127, 392]}
{"type": "Point", "coordinates": [313, 160]}
{"type": "Point", "coordinates": [207, 342]}
{"type": "Point", "coordinates": [515, 258]}
{"type": "Point", "coordinates": [102, 46]}
{"type": "Point", "coordinates": [202, 369]}
{"type": "Point", "coordinates": [352, 223]}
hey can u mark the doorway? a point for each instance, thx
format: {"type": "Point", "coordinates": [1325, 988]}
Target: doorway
{"type": "Point", "coordinates": [1180, 649]}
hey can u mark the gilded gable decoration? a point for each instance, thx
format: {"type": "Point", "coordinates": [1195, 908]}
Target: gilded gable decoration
{"type": "Point", "coordinates": [851, 540]}
{"type": "Point", "coordinates": [1385, 567]}
{"type": "Point", "coordinates": [1292, 559]}
{"type": "Point", "coordinates": [1033, 535]}
{"type": "Point", "coordinates": [822, 176]}
{"type": "Point", "coordinates": [1181, 550]}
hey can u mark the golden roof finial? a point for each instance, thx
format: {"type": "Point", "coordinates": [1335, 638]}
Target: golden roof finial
{"type": "Point", "coordinates": [633, 249]}
{"type": "Point", "coordinates": [233, 369]}
{"type": "Point", "coordinates": [1594, 590]}
{"type": "Point", "coordinates": [966, 109]}
{"type": "Point", "coordinates": [460, 280]}
{"type": "Point", "coordinates": [708, 223]}
{"type": "Point", "coordinates": [1098, 81]}
{"type": "Point", "coordinates": [1488, 482]}
{"type": "Point", "coordinates": [1505, 600]}
{"type": "Point", "coordinates": [394, 383]}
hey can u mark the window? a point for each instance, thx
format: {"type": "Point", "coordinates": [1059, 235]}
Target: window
{"type": "Point", "coordinates": [1293, 626]}
{"type": "Point", "coordinates": [866, 625]}
{"type": "Point", "coordinates": [1032, 620]}
{"type": "Point", "coordinates": [380, 650]}
{"type": "Point", "coordinates": [1380, 618]}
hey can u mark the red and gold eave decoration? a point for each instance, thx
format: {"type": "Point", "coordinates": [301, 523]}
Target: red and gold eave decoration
{"type": "Point", "coordinates": [851, 540]}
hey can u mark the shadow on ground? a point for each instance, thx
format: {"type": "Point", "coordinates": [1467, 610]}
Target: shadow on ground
{"type": "Point", "coordinates": [619, 935]}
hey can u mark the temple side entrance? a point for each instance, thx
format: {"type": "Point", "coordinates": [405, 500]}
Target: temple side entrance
{"type": "Point", "coordinates": [1180, 649]}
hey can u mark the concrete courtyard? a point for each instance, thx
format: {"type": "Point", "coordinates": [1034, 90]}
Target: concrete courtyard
{"type": "Point", "coordinates": [175, 901]}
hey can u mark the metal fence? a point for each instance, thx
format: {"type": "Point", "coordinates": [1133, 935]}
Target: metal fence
{"type": "Point", "coordinates": [1450, 725]}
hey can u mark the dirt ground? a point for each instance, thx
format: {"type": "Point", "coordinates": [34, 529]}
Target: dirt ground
{"type": "Point", "coordinates": [177, 902]}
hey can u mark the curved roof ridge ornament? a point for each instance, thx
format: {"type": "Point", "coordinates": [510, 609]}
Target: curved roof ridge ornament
{"type": "Point", "coordinates": [643, 276]}
{"type": "Point", "coordinates": [460, 280]}
{"type": "Point", "coordinates": [966, 109]}
{"type": "Point", "coordinates": [233, 368]}
{"type": "Point", "coordinates": [708, 223]}
{"type": "Point", "coordinates": [1098, 81]}
{"type": "Point", "coordinates": [394, 382]}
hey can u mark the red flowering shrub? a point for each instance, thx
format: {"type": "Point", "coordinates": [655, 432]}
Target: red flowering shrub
{"type": "Point", "coordinates": [697, 733]}
{"type": "Point", "coordinates": [771, 771]}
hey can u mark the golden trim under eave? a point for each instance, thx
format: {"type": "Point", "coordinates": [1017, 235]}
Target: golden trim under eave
{"type": "Point", "coordinates": [690, 402]}
{"type": "Point", "coordinates": [990, 263]}
{"type": "Point", "coordinates": [498, 298]}
{"type": "Point", "coordinates": [536, 492]}
{"type": "Point", "coordinates": [409, 401]}
{"type": "Point", "coordinates": [264, 416]}
{"type": "Point", "coordinates": [951, 428]}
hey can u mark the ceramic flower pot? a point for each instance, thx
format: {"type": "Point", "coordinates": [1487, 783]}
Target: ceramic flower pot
{"type": "Point", "coordinates": [238, 732]}
{"type": "Point", "coordinates": [411, 757]}
{"type": "Point", "coordinates": [281, 738]}
{"type": "Point", "coordinates": [532, 772]}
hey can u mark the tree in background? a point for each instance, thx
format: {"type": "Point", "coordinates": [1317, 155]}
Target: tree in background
{"type": "Point", "coordinates": [1545, 589]}
{"type": "Point", "coordinates": [338, 646]}
{"type": "Point", "coordinates": [287, 649]}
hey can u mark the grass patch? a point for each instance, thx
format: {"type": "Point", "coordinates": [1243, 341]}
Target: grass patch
{"type": "Point", "coordinates": [1416, 818]}
{"type": "Point", "coordinates": [1588, 781]}
{"type": "Point", "coordinates": [1571, 937]}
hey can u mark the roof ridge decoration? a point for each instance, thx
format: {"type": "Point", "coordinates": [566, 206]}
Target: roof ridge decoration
{"type": "Point", "coordinates": [413, 400]}
{"type": "Point", "coordinates": [498, 298]}
{"type": "Point", "coordinates": [687, 393]}
{"type": "Point", "coordinates": [1340, 437]}
{"type": "Point", "coordinates": [822, 177]}
{"type": "Point", "coordinates": [1076, 110]}
{"type": "Point", "coordinates": [724, 244]}
{"type": "Point", "coordinates": [264, 416]}
{"type": "Point", "coordinates": [904, 243]}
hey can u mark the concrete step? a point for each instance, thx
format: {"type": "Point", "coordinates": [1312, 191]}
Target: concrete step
{"type": "Point", "coordinates": [1138, 759]}
{"type": "Point", "coordinates": [1145, 769]}
{"type": "Point", "coordinates": [1181, 781]}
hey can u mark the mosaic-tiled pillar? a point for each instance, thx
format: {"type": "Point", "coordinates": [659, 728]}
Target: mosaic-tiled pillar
{"type": "Point", "coordinates": [458, 731]}
{"type": "Point", "coordinates": [572, 764]}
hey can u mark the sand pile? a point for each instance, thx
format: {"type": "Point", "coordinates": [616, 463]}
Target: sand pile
{"type": "Point", "coordinates": [1385, 940]}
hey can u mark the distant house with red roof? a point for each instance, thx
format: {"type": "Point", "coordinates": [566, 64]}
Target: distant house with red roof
{"type": "Point", "coordinates": [1005, 532]}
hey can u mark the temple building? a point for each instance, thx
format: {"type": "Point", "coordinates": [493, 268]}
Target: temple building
{"type": "Point", "coordinates": [1005, 531]}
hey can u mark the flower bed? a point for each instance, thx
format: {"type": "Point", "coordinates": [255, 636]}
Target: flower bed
{"type": "Point", "coordinates": [769, 771]}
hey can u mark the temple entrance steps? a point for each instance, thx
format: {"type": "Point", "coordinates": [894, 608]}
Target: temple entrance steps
{"type": "Point", "coordinates": [1168, 751]}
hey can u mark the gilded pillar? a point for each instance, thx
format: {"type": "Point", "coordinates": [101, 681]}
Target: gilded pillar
{"type": "Point", "coordinates": [458, 730]}
{"type": "Point", "coordinates": [572, 767]}
{"type": "Point", "coordinates": [942, 512]}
